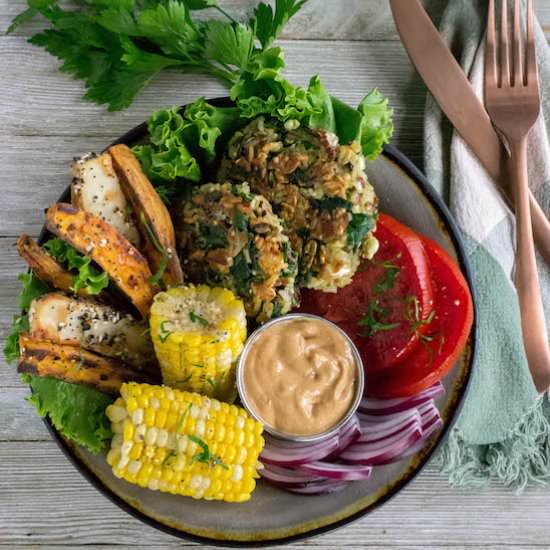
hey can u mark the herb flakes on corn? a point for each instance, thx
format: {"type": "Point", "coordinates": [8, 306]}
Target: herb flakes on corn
{"type": "Point", "coordinates": [198, 333]}
{"type": "Point", "coordinates": [184, 443]}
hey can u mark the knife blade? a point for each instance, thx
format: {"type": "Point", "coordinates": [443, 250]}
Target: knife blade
{"type": "Point", "coordinates": [455, 95]}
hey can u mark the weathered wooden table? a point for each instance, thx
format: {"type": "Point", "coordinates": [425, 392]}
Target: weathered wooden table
{"type": "Point", "coordinates": [44, 501]}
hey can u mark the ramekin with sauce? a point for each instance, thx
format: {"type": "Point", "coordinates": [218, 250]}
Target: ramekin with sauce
{"type": "Point", "coordinates": [301, 376]}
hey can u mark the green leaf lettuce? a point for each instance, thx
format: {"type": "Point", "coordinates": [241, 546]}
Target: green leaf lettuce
{"type": "Point", "coordinates": [77, 412]}
{"type": "Point", "coordinates": [32, 288]}
{"type": "Point", "coordinates": [262, 90]}
{"type": "Point", "coordinates": [87, 276]}
{"type": "Point", "coordinates": [181, 142]}
{"type": "Point", "coordinates": [376, 123]}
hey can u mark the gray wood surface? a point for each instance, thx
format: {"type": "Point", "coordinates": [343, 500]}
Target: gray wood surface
{"type": "Point", "coordinates": [44, 501]}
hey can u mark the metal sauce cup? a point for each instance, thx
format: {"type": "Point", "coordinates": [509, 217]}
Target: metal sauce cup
{"type": "Point", "coordinates": [359, 387]}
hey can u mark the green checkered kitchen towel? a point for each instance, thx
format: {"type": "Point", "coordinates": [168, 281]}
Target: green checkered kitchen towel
{"type": "Point", "coordinates": [503, 432]}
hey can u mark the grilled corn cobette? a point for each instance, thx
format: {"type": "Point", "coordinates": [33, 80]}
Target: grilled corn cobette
{"type": "Point", "coordinates": [184, 443]}
{"type": "Point", "coordinates": [198, 333]}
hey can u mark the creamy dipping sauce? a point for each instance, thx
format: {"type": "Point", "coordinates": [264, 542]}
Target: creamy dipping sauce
{"type": "Point", "coordinates": [300, 376]}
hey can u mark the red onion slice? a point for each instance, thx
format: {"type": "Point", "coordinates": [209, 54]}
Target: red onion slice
{"type": "Point", "coordinates": [288, 453]}
{"type": "Point", "coordinates": [397, 417]}
{"type": "Point", "coordinates": [433, 425]}
{"type": "Point", "coordinates": [369, 436]}
{"type": "Point", "coordinates": [386, 431]}
{"type": "Point", "coordinates": [342, 472]}
{"type": "Point", "coordinates": [428, 408]}
{"type": "Point", "coordinates": [386, 406]}
{"type": "Point", "coordinates": [375, 445]}
{"type": "Point", "coordinates": [383, 451]}
{"type": "Point", "coordinates": [388, 425]}
{"type": "Point", "coordinates": [346, 436]}
{"type": "Point", "coordinates": [350, 432]}
{"type": "Point", "coordinates": [294, 455]}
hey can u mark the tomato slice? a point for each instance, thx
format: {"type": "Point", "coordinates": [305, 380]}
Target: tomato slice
{"type": "Point", "coordinates": [386, 307]}
{"type": "Point", "coordinates": [443, 343]}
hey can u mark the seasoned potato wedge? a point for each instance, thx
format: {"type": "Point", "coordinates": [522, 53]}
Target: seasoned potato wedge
{"type": "Point", "coordinates": [97, 239]}
{"type": "Point", "coordinates": [152, 216]}
{"type": "Point", "coordinates": [44, 266]}
{"type": "Point", "coordinates": [92, 326]}
{"type": "Point", "coordinates": [73, 364]}
{"type": "Point", "coordinates": [96, 189]}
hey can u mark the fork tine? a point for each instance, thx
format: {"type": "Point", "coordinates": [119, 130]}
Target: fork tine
{"type": "Point", "coordinates": [490, 49]}
{"type": "Point", "coordinates": [531, 75]}
{"type": "Point", "coordinates": [504, 46]}
{"type": "Point", "coordinates": [517, 49]}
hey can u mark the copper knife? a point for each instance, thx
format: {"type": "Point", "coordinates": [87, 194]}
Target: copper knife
{"type": "Point", "coordinates": [451, 88]}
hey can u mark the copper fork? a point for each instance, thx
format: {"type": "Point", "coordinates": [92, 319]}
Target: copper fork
{"type": "Point", "coordinates": [513, 102]}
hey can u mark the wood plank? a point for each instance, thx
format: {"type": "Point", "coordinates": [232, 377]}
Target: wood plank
{"type": "Point", "coordinates": [19, 421]}
{"type": "Point", "coordinates": [317, 20]}
{"type": "Point", "coordinates": [308, 544]}
{"type": "Point", "coordinates": [313, 543]}
{"type": "Point", "coordinates": [37, 481]}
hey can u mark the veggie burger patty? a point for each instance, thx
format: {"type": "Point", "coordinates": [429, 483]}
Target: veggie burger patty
{"type": "Point", "coordinates": [230, 237]}
{"type": "Point", "coordinates": [318, 187]}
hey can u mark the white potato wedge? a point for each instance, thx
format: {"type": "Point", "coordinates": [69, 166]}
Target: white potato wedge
{"type": "Point", "coordinates": [92, 326]}
{"type": "Point", "coordinates": [96, 189]}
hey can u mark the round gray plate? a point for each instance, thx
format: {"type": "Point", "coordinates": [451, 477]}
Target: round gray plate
{"type": "Point", "coordinates": [272, 515]}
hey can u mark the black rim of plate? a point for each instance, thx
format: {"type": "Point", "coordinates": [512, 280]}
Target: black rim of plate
{"type": "Point", "coordinates": [403, 162]}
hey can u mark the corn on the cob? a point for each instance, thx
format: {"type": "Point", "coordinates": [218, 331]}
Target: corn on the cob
{"type": "Point", "coordinates": [184, 443]}
{"type": "Point", "coordinates": [198, 333]}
